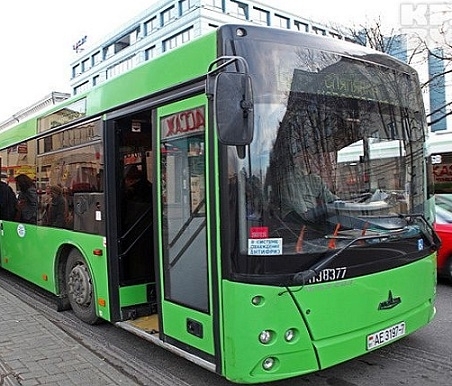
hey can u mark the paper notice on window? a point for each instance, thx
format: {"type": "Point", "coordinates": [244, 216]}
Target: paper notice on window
{"type": "Point", "coordinates": [265, 247]}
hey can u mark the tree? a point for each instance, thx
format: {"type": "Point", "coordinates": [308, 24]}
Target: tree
{"type": "Point", "coordinates": [430, 45]}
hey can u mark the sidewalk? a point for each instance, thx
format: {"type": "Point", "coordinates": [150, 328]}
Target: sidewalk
{"type": "Point", "coordinates": [33, 351]}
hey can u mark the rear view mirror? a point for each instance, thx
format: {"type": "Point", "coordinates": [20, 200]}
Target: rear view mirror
{"type": "Point", "coordinates": [234, 109]}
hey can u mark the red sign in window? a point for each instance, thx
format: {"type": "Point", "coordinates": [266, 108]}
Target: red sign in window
{"type": "Point", "coordinates": [259, 232]}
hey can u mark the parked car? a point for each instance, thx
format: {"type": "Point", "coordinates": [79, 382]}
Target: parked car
{"type": "Point", "coordinates": [443, 226]}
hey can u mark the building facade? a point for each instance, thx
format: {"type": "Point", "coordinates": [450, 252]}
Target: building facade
{"type": "Point", "coordinates": [167, 25]}
{"type": "Point", "coordinates": [170, 23]}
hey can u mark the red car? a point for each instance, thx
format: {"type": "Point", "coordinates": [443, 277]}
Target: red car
{"type": "Point", "coordinates": [443, 226]}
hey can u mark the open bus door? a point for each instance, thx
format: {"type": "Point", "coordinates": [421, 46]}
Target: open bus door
{"type": "Point", "coordinates": [159, 270]}
{"type": "Point", "coordinates": [186, 294]}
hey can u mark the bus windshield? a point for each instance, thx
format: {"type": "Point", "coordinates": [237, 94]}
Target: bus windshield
{"type": "Point", "coordinates": [337, 154]}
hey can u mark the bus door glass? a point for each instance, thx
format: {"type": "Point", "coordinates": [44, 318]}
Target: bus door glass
{"type": "Point", "coordinates": [183, 223]}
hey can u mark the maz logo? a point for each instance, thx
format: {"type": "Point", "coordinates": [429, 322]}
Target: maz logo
{"type": "Point", "coordinates": [390, 303]}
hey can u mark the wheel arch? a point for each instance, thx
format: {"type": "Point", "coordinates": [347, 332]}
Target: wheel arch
{"type": "Point", "coordinates": [61, 260]}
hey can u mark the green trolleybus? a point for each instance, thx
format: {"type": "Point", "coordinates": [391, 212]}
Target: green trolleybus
{"type": "Point", "coordinates": [272, 236]}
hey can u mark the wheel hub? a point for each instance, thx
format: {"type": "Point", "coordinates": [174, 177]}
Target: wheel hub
{"type": "Point", "coordinates": [80, 285]}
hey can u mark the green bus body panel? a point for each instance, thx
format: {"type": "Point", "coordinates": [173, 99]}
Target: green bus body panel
{"type": "Point", "coordinates": [25, 130]}
{"type": "Point", "coordinates": [32, 252]}
{"type": "Point", "coordinates": [340, 318]}
{"type": "Point", "coordinates": [175, 319]}
{"type": "Point", "coordinates": [132, 295]}
{"type": "Point", "coordinates": [337, 317]}
{"type": "Point", "coordinates": [187, 62]}
{"type": "Point", "coordinates": [243, 354]}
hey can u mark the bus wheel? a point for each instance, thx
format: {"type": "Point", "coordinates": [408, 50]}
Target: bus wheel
{"type": "Point", "coordinates": [79, 286]}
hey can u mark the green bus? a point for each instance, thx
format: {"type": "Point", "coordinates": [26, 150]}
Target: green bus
{"type": "Point", "coordinates": [260, 251]}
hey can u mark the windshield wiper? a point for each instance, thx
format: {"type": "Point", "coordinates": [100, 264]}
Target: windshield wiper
{"type": "Point", "coordinates": [431, 236]}
{"type": "Point", "coordinates": [301, 278]}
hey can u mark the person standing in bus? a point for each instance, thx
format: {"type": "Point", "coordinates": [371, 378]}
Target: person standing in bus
{"type": "Point", "coordinates": [27, 199]}
{"type": "Point", "coordinates": [8, 202]}
{"type": "Point", "coordinates": [136, 218]}
{"type": "Point", "coordinates": [137, 188]}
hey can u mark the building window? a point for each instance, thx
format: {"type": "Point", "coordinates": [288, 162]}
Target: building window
{"type": "Point", "coordinates": [300, 26]}
{"type": "Point", "coordinates": [122, 66]}
{"type": "Point", "coordinates": [96, 58]}
{"type": "Point", "coordinates": [76, 70]}
{"type": "Point", "coordinates": [186, 36]}
{"type": "Point", "coordinates": [216, 4]}
{"type": "Point", "coordinates": [81, 88]}
{"type": "Point", "coordinates": [123, 43]}
{"type": "Point", "coordinates": [167, 15]}
{"type": "Point", "coordinates": [149, 53]}
{"type": "Point", "coordinates": [240, 9]}
{"type": "Point", "coordinates": [261, 16]}
{"type": "Point", "coordinates": [170, 43]}
{"type": "Point", "coordinates": [281, 21]}
{"type": "Point", "coordinates": [177, 40]}
{"type": "Point", "coordinates": [86, 65]}
{"type": "Point", "coordinates": [184, 6]}
{"type": "Point", "coordinates": [96, 80]}
{"type": "Point", "coordinates": [151, 25]}
{"type": "Point", "coordinates": [109, 51]}
{"type": "Point", "coordinates": [134, 35]}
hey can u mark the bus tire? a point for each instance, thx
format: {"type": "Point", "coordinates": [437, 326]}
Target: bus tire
{"type": "Point", "coordinates": [80, 288]}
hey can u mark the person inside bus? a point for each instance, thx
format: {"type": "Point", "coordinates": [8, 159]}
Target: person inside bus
{"type": "Point", "coordinates": [136, 186]}
{"type": "Point", "coordinates": [136, 219]}
{"type": "Point", "coordinates": [43, 204]}
{"type": "Point", "coordinates": [8, 202]}
{"type": "Point", "coordinates": [27, 199]}
{"type": "Point", "coordinates": [56, 211]}
{"type": "Point", "coordinates": [304, 196]}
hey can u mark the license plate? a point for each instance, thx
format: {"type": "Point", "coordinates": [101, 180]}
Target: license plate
{"type": "Point", "coordinates": [386, 335]}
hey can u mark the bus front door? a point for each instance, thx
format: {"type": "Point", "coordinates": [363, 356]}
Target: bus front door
{"type": "Point", "coordinates": [183, 233]}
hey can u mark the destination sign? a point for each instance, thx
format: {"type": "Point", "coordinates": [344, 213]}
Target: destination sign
{"type": "Point", "coordinates": [183, 123]}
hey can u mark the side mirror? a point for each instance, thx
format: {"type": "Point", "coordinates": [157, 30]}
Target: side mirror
{"type": "Point", "coordinates": [234, 108]}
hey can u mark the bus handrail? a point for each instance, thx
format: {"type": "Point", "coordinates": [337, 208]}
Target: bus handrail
{"type": "Point", "coordinates": [121, 255]}
{"type": "Point", "coordinates": [187, 223]}
{"type": "Point", "coordinates": [129, 231]}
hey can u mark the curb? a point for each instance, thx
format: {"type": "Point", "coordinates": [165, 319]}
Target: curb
{"type": "Point", "coordinates": [7, 376]}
